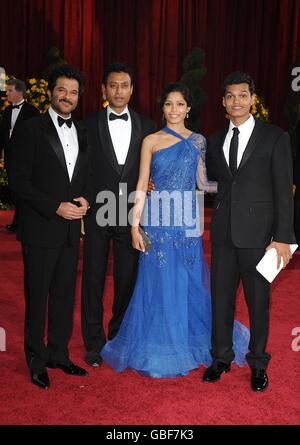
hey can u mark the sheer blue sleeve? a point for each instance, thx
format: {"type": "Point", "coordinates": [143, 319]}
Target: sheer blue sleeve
{"type": "Point", "coordinates": [203, 183]}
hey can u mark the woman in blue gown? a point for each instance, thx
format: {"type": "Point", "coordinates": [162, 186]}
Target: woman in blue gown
{"type": "Point", "coordinates": [166, 330]}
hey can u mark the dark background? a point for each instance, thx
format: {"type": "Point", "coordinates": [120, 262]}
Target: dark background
{"type": "Point", "coordinates": [153, 36]}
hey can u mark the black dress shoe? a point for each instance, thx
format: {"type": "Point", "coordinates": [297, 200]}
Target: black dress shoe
{"type": "Point", "coordinates": [213, 373]}
{"type": "Point", "coordinates": [259, 379]}
{"type": "Point", "coordinates": [11, 228]}
{"type": "Point", "coordinates": [41, 380]}
{"type": "Point", "coordinates": [93, 359]}
{"type": "Point", "coordinates": [70, 368]}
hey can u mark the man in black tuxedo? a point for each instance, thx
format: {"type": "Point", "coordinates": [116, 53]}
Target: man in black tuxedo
{"type": "Point", "coordinates": [253, 212]}
{"type": "Point", "coordinates": [115, 136]}
{"type": "Point", "coordinates": [50, 171]}
{"type": "Point", "coordinates": [13, 115]}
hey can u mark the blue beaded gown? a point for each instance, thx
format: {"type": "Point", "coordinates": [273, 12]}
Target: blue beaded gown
{"type": "Point", "coordinates": [166, 330]}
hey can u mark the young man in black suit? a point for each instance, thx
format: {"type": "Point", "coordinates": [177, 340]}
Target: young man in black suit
{"type": "Point", "coordinates": [115, 136]}
{"type": "Point", "coordinates": [50, 172]}
{"type": "Point", "coordinates": [13, 115]}
{"type": "Point", "coordinates": [253, 212]}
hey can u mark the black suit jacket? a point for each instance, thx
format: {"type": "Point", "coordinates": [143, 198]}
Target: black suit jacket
{"type": "Point", "coordinates": [106, 173]}
{"type": "Point", "coordinates": [257, 202]}
{"type": "Point", "coordinates": [27, 111]}
{"type": "Point", "coordinates": [39, 175]}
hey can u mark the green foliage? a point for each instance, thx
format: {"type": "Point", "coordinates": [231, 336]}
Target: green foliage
{"type": "Point", "coordinates": [194, 72]}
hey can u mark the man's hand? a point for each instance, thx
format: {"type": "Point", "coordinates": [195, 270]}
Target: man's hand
{"type": "Point", "coordinates": [83, 202]}
{"type": "Point", "coordinates": [67, 210]}
{"type": "Point", "coordinates": [151, 186]}
{"type": "Point", "coordinates": [283, 251]}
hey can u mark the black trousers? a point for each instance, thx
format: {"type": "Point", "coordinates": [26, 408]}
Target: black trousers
{"type": "Point", "coordinates": [230, 265]}
{"type": "Point", "coordinates": [49, 283]}
{"type": "Point", "coordinates": [16, 216]}
{"type": "Point", "coordinates": [95, 259]}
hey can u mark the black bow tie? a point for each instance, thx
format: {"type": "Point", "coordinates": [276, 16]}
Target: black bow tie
{"type": "Point", "coordinates": [17, 106]}
{"type": "Point", "coordinates": [113, 116]}
{"type": "Point", "coordinates": [62, 121]}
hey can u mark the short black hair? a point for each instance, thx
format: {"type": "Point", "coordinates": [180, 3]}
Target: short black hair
{"type": "Point", "coordinates": [66, 71]}
{"type": "Point", "coordinates": [18, 84]}
{"type": "Point", "coordinates": [239, 77]}
{"type": "Point", "coordinates": [176, 88]}
{"type": "Point", "coordinates": [116, 67]}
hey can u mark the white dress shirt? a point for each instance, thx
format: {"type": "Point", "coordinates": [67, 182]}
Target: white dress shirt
{"type": "Point", "coordinates": [69, 141]}
{"type": "Point", "coordinates": [120, 133]}
{"type": "Point", "coordinates": [15, 113]}
{"type": "Point", "coordinates": [245, 131]}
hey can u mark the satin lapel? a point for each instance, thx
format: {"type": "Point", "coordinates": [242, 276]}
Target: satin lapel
{"type": "Point", "coordinates": [82, 143]}
{"type": "Point", "coordinates": [134, 147]}
{"type": "Point", "coordinates": [54, 141]}
{"type": "Point", "coordinates": [20, 115]}
{"type": "Point", "coordinates": [252, 143]}
{"type": "Point", "coordinates": [106, 141]}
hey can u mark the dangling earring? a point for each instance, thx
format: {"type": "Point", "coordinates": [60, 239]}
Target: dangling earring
{"type": "Point", "coordinates": [187, 115]}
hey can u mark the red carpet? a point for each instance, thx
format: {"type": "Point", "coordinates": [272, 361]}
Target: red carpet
{"type": "Point", "coordinates": [108, 398]}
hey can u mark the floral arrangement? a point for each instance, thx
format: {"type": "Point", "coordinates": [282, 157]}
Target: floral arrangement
{"type": "Point", "coordinates": [36, 94]}
{"type": "Point", "coordinates": [259, 110]}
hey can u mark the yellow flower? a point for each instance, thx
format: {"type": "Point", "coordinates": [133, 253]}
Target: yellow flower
{"type": "Point", "coordinates": [32, 81]}
{"type": "Point", "coordinates": [42, 98]}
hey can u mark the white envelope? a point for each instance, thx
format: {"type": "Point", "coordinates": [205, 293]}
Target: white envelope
{"type": "Point", "coordinates": [268, 264]}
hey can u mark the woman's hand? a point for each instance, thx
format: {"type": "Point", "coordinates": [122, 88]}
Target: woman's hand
{"type": "Point", "coordinates": [137, 240]}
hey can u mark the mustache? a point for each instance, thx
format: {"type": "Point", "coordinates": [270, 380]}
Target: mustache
{"type": "Point", "coordinates": [66, 101]}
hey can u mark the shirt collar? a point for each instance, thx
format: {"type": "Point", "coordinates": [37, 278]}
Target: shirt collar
{"type": "Point", "coordinates": [19, 103]}
{"type": "Point", "coordinates": [54, 115]}
{"type": "Point", "coordinates": [245, 127]}
{"type": "Point", "coordinates": [109, 110]}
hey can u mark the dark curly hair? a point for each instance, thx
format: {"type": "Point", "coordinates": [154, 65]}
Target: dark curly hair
{"type": "Point", "coordinates": [236, 78]}
{"type": "Point", "coordinates": [176, 88]}
{"type": "Point", "coordinates": [116, 67]}
{"type": "Point", "coordinates": [66, 71]}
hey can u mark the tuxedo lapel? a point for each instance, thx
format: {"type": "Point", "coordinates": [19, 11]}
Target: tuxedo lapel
{"type": "Point", "coordinates": [134, 147]}
{"type": "Point", "coordinates": [82, 143]}
{"type": "Point", "coordinates": [106, 142]}
{"type": "Point", "coordinates": [53, 139]}
{"type": "Point", "coordinates": [21, 115]}
{"type": "Point", "coordinates": [252, 143]}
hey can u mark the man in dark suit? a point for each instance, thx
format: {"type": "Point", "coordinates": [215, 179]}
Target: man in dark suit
{"type": "Point", "coordinates": [50, 172]}
{"type": "Point", "coordinates": [115, 136]}
{"type": "Point", "coordinates": [13, 115]}
{"type": "Point", "coordinates": [297, 180]}
{"type": "Point", "coordinates": [253, 212]}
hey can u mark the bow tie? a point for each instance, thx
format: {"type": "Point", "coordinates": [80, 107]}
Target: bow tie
{"type": "Point", "coordinates": [113, 116]}
{"type": "Point", "coordinates": [62, 121]}
{"type": "Point", "coordinates": [17, 106]}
